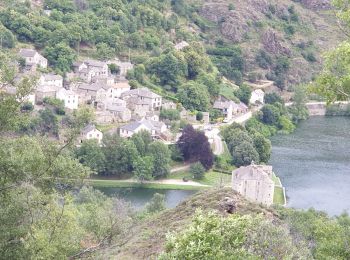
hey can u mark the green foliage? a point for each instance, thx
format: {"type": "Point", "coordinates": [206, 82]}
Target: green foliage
{"type": "Point", "coordinates": [299, 110]}
{"type": "Point", "coordinates": [194, 96]}
{"type": "Point", "coordinates": [161, 159]}
{"type": "Point", "coordinates": [263, 147]}
{"type": "Point", "coordinates": [7, 39]}
{"type": "Point", "coordinates": [120, 155]}
{"type": "Point", "coordinates": [263, 59]}
{"type": "Point", "coordinates": [91, 155]}
{"type": "Point", "coordinates": [143, 168]}
{"type": "Point", "coordinates": [61, 56]}
{"type": "Point", "coordinates": [197, 170]}
{"type": "Point", "coordinates": [170, 114]}
{"type": "Point", "coordinates": [211, 236]}
{"type": "Point", "coordinates": [270, 115]}
{"type": "Point", "coordinates": [104, 52]}
{"type": "Point", "coordinates": [333, 81]}
{"type": "Point", "coordinates": [272, 98]}
{"type": "Point", "coordinates": [156, 204]}
{"type": "Point", "coordinates": [244, 93]}
{"type": "Point", "coordinates": [244, 154]}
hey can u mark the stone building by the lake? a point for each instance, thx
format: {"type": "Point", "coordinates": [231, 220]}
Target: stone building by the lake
{"type": "Point", "coordinates": [255, 183]}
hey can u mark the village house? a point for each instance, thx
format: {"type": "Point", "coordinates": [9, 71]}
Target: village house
{"type": "Point", "coordinates": [181, 45]}
{"type": "Point", "coordinates": [51, 80]}
{"type": "Point", "coordinates": [229, 108]}
{"type": "Point", "coordinates": [30, 98]}
{"type": "Point", "coordinates": [69, 97]}
{"type": "Point", "coordinates": [257, 97]}
{"type": "Point", "coordinates": [121, 87]}
{"type": "Point", "coordinates": [44, 91]}
{"type": "Point", "coordinates": [90, 132]}
{"type": "Point", "coordinates": [155, 128]}
{"type": "Point", "coordinates": [124, 67]}
{"type": "Point", "coordinates": [142, 98]}
{"type": "Point", "coordinates": [168, 105]}
{"type": "Point", "coordinates": [90, 69]}
{"type": "Point", "coordinates": [33, 59]}
{"type": "Point", "coordinates": [255, 183]}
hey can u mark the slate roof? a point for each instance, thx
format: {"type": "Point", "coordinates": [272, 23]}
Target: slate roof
{"type": "Point", "coordinates": [88, 128]}
{"type": "Point", "coordinates": [52, 77]}
{"type": "Point", "coordinates": [141, 92]}
{"type": "Point", "coordinates": [28, 53]}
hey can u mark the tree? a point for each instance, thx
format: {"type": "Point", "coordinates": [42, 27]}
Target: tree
{"type": "Point", "coordinates": [90, 154]}
{"type": "Point", "coordinates": [244, 93]}
{"type": "Point", "coordinates": [60, 56]}
{"type": "Point", "coordinates": [161, 159]}
{"type": "Point", "coordinates": [156, 204]}
{"type": "Point", "coordinates": [142, 140]}
{"type": "Point", "coordinates": [170, 114]}
{"type": "Point", "coordinates": [104, 52]}
{"type": "Point", "coordinates": [270, 115]}
{"type": "Point", "coordinates": [272, 98]}
{"type": "Point", "coordinates": [114, 68]}
{"type": "Point", "coordinates": [7, 40]}
{"type": "Point", "coordinates": [194, 96]}
{"type": "Point", "coordinates": [244, 154]}
{"type": "Point", "coordinates": [195, 147]}
{"type": "Point", "coordinates": [263, 147]}
{"type": "Point", "coordinates": [197, 170]}
{"type": "Point", "coordinates": [120, 155]}
{"type": "Point", "coordinates": [143, 168]}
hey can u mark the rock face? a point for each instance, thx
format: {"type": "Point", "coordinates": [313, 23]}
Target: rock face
{"type": "Point", "coordinates": [272, 43]}
{"type": "Point", "coordinates": [317, 4]}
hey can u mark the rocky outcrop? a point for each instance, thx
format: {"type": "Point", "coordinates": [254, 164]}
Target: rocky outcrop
{"type": "Point", "coordinates": [316, 4]}
{"type": "Point", "coordinates": [272, 43]}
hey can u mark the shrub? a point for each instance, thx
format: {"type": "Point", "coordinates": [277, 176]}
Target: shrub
{"type": "Point", "coordinates": [197, 170]}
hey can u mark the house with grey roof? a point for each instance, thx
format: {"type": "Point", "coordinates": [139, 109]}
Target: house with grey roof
{"type": "Point", "coordinates": [90, 132]}
{"type": "Point", "coordinates": [51, 80]}
{"type": "Point", "coordinates": [229, 108]}
{"type": "Point", "coordinates": [155, 128]}
{"type": "Point", "coordinates": [255, 183]}
{"type": "Point", "coordinates": [142, 98]}
{"type": "Point", "coordinates": [90, 69]}
{"type": "Point", "coordinates": [45, 91]}
{"type": "Point", "coordinates": [33, 59]}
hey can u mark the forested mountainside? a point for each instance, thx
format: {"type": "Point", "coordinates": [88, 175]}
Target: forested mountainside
{"type": "Point", "coordinates": [278, 40]}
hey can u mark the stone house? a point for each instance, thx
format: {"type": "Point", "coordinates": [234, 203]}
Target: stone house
{"type": "Point", "coordinates": [255, 183]}
{"type": "Point", "coordinates": [90, 69]}
{"type": "Point", "coordinates": [124, 66]}
{"type": "Point", "coordinates": [69, 97]}
{"type": "Point", "coordinates": [169, 105]}
{"type": "Point", "coordinates": [257, 97]}
{"type": "Point", "coordinates": [51, 80]}
{"type": "Point", "coordinates": [156, 129]}
{"type": "Point", "coordinates": [45, 91]}
{"type": "Point", "coordinates": [30, 98]}
{"type": "Point", "coordinates": [90, 132]}
{"type": "Point", "coordinates": [229, 108]}
{"type": "Point", "coordinates": [33, 59]}
{"type": "Point", "coordinates": [142, 98]}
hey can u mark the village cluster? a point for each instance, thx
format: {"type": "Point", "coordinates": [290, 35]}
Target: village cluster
{"type": "Point", "coordinates": [114, 101]}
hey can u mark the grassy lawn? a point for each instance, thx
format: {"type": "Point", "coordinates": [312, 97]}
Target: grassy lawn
{"type": "Point", "coordinates": [210, 178]}
{"type": "Point", "coordinates": [278, 197]}
{"type": "Point", "coordinates": [124, 184]}
{"type": "Point", "coordinates": [276, 180]}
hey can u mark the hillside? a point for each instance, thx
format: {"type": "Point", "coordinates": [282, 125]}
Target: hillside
{"type": "Point", "coordinates": [148, 239]}
{"type": "Point", "coordinates": [305, 235]}
{"type": "Point", "coordinates": [279, 40]}
{"type": "Point", "coordinates": [298, 30]}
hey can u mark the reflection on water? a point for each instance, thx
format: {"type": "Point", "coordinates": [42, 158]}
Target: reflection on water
{"type": "Point", "coordinates": [139, 197]}
{"type": "Point", "coordinates": [314, 164]}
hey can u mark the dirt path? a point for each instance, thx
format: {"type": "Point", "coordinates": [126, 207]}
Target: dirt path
{"type": "Point", "coordinates": [167, 181]}
{"type": "Point", "coordinates": [180, 168]}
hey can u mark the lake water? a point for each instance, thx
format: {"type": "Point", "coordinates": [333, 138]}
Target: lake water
{"type": "Point", "coordinates": [314, 164]}
{"type": "Point", "coordinates": [139, 197]}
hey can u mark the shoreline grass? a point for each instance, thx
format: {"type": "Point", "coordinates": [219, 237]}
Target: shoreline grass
{"type": "Point", "coordinates": [125, 184]}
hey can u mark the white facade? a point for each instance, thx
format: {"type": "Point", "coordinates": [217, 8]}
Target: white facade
{"type": "Point", "coordinates": [33, 58]}
{"type": "Point", "coordinates": [90, 132]}
{"type": "Point", "coordinates": [70, 98]}
{"type": "Point", "coordinates": [255, 183]}
{"type": "Point", "coordinates": [257, 97]}
{"type": "Point", "coordinates": [51, 80]}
